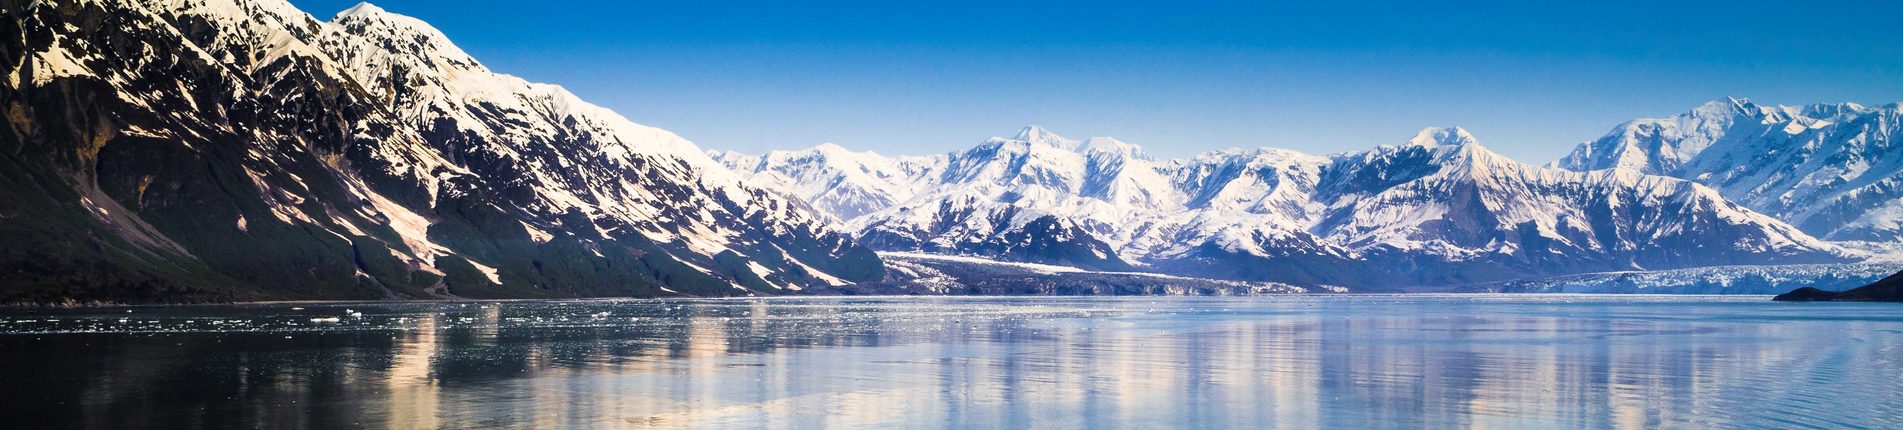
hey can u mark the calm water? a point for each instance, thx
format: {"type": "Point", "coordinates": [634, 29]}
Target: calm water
{"type": "Point", "coordinates": [1282, 361]}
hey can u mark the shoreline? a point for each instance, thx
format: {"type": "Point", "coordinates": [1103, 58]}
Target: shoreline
{"type": "Point", "coordinates": [1491, 295]}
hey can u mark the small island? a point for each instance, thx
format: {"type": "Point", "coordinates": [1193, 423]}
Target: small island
{"type": "Point", "coordinates": [1888, 289]}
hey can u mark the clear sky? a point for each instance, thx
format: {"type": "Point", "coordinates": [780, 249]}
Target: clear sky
{"type": "Point", "coordinates": [1530, 79]}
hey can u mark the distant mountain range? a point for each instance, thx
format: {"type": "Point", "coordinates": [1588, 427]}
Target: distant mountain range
{"type": "Point", "coordinates": [1438, 209]}
{"type": "Point", "coordinates": [217, 150]}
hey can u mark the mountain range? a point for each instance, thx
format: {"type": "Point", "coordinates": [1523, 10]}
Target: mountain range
{"type": "Point", "coordinates": [1436, 209]}
{"type": "Point", "coordinates": [221, 150]}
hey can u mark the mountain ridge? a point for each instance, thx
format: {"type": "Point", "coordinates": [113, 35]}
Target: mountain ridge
{"type": "Point", "coordinates": [1320, 219]}
{"type": "Point", "coordinates": [1834, 170]}
{"type": "Point", "coordinates": [243, 150]}
{"type": "Point", "coordinates": [219, 150]}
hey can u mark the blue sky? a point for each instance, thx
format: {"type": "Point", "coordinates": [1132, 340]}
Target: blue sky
{"type": "Point", "coordinates": [1530, 80]}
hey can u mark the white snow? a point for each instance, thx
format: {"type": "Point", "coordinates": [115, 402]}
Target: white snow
{"type": "Point", "coordinates": [535, 234]}
{"type": "Point", "coordinates": [56, 63]}
{"type": "Point", "coordinates": [489, 272]}
{"type": "Point", "coordinates": [1264, 202]}
{"type": "Point", "coordinates": [413, 228]}
{"type": "Point", "coordinates": [1813, 166]}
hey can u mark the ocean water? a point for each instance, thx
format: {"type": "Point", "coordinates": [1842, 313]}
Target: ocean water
{"type": "Point", "coordinates": [1320, 361]}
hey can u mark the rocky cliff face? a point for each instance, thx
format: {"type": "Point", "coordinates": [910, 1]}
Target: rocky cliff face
{"type": "Point", "coordinates": [185, 150]}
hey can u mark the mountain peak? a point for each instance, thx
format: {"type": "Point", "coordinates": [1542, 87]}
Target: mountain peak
{"type": "Point", "coordinates": [1839, 111]}
{"type": "Point", "coordinates": [401, 35]}
{"type": "Point", "coordinates": [363, 8]}
{"type": "Point", "coordinates": [1110, 145]}
{"type": "Point", "coordinates": [1035, 133]}
{"type": "Point", "coordinates": [1441, 136]}
{"type": "Point", "coordinates": [1727, 106]}
{"type": "Point", "coordinates": [1039, 135]}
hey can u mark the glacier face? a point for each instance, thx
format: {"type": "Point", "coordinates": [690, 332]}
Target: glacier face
{"type": "Point", "coordinates": [242, 149]}
{"type": "Point", "coordinates": [1833, 170]}
{"type": "Point", "coordinates": [1438, 209]}
{"type": "Point", "coordinates": [1761, 279]}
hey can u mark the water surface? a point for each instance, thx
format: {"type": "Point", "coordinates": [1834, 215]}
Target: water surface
{"type": "Point", "coordinates": [1504, 361]}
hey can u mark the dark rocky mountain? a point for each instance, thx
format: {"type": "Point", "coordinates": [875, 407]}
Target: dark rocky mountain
{"type": "Point", "coordinates": [1885, 290]}
{"type": "Point", "coordinates": [209, 150]}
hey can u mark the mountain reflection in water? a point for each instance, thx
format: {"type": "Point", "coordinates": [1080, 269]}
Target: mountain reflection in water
{"type": "Point", "coordinates": [1283, 361]}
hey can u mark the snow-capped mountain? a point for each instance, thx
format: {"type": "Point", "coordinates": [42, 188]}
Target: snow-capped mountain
{"type": "Point", "coordinates": [178, 150]}
{"type": "Point", "coordinates": [1439, 209]}
{"type": "Point", "coordinates": [221, 149]}
{"type": "Point", "coordinates": [962, 203]}
{"type": "Point", "coordinates": [1035, 196]}
{"type": "Point", "coordinates": [840, 183]}
{"type": "Point", "coordinates": [1833, 170]}
{"type": "Point", "coordinates": [1443, 199]}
